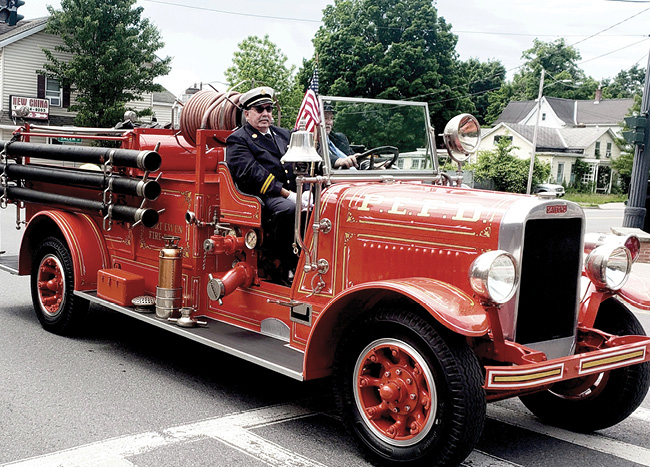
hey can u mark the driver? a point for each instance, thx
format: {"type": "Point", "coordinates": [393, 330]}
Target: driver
{"type": "Point", "coordinates": [341, 156]}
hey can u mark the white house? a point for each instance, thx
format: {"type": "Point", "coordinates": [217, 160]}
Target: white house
{"type": "Point", "coordinates": [21, 58]}
{"type": "Point", "coordinates": [568, 130]}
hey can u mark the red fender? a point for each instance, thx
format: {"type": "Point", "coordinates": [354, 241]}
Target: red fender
{"type": "Point", "coordinates": [636, 292]}
{"type": "Point", "coordinates": [449, 305]}
{"type": "Point", "coordinates": [81, 233]}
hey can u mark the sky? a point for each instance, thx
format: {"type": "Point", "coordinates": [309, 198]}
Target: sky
{"type": "Point", "coordinates": [203, 35]}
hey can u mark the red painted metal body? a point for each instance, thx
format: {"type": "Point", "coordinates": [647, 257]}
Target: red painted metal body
{"type": "Point", "coordinates": [405, 242]}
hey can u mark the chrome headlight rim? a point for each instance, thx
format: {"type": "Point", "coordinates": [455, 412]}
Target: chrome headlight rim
{"type": "Point", "coordinates": [480, 276]}
{"type": "Point", "coordinates": [597, 262]}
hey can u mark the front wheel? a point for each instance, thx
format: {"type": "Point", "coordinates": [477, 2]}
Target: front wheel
{"type": "Point", "coordinates": [52, 282]}
{"type": "Point", "coordinates": [409, 392]}
{"type": "Point", "coordinates": [601, 400]}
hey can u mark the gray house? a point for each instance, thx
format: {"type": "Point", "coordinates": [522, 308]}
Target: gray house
{"type": "Point", "coordinates": [21, 57]}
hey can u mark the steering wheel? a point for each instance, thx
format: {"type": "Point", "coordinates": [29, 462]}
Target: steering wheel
{"type": "Point", "coordinates": [366, 159]}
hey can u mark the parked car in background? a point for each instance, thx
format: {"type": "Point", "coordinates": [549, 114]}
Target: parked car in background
{"type": "Point", "coordinates": [549, 188]}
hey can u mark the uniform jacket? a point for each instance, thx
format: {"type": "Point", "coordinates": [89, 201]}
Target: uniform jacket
{"type": "Point", "coordinates": [254, 161]}
{"type": "Point", "coordinates": [341, 142]}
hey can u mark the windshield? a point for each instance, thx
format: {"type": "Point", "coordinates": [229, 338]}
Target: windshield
{"type": "Point", "coordinates": [382, 134]}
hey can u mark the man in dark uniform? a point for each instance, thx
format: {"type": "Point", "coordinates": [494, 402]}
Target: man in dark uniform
{"type": "Point", "coordinates": [253, 155]}
{"type": "Point", "coordinates": [341, 155]}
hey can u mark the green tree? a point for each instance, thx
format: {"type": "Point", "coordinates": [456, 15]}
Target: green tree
{"type": "Point", "coordinates": [113, 57]}
{"type": "Point", "coordinates": [260, 62]}
{"type": "Point", "coordinates": [483, 78]}
{"type": "Point", "coordinates": [393, 49]}
{"type": "Point", "coordinates": [564, 78]}
{"type": "Point", "coordinates": [507, 171]}
{"type": "Point", "coordinates": [627, 83]}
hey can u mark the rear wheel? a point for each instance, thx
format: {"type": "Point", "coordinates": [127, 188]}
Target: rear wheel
{"type": "Point", "coordinates": [52, 283]}
{"type": "Point", "coordinates": [408, 392]}
{"type": "Point", "coordinates": [601, 400]}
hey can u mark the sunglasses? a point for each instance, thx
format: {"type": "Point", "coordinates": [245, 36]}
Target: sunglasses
{"type": "Point", "coordinates": [261, 108]}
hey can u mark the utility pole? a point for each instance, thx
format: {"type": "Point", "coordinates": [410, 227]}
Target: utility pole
{"type": "Point", "coordinates": [532, 156]}
{"type": "Point", "coordinates": [635, 211]}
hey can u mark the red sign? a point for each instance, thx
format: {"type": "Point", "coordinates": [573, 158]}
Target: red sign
{"type": "Point", "coordinates": [29, 107]}
{"type": "Point", "coordinates": [556, 209]}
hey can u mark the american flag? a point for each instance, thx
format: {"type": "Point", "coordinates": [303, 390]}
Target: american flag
{"type": "Point", "coordinates": [309, 111]}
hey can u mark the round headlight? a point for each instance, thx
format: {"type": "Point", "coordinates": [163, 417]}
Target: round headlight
{"type": "Point", "coordinates": [493, 276]}
{"type": "Point", "coordinates": [608, 266]}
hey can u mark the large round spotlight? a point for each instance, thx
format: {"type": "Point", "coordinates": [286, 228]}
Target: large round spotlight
{"type": "Point", "coordinates": [608, 266]}
{"type": "Point", "coordinates": [493, 276]}
{"type": "Point", "coordinates": [462, 136]}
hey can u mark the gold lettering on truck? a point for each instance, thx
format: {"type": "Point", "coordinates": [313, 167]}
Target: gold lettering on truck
{"type": "Point", "coordinates": [464, 208]}
{"type": "Point", "coordinates": [375, 199]}
{"type": "Point", "coordinates": [396, 204]}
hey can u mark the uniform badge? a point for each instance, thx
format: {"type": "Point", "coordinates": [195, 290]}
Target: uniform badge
{"type": "Point", "coordinates": [254, 135]}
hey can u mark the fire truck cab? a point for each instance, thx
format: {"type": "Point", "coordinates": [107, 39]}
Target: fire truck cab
{"type": "Point", "coordinates": [422, 299]}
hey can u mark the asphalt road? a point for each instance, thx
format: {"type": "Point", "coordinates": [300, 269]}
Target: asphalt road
{"type": "Point", "coordinates": [124, 393]}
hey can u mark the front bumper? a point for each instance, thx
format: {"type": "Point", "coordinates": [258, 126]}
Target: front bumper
{"type": "Point", "coordinates": [621, 351]}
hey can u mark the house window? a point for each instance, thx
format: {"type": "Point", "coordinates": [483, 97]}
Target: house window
{"type": "Point", "coordinates": [53, 91]}
{"type": "Point", "coordinates": [543, 116]}
{"type": "Point", "coordinates": [400, 163]}
{"type": "Point", "coordinates": [416, 164]}
{"type": "Point", "coordinates": [608, 152]}
{"type": "Point", "coordinates": [498, 138]}
{"type": "Point", "coordinates": [597, 151]}
{"type": "Point", "coordinates": [559, 178]}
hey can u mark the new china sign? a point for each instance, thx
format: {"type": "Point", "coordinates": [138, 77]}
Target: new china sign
{"type": "Point", "coordinates": [29, 107]}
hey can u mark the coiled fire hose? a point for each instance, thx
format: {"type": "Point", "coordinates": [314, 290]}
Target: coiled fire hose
{"type": "Point", "coordinates": [208, 109]}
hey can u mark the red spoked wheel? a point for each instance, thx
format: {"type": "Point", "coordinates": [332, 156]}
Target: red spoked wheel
{"type": "Point", "coordinates": [408, 390]}
{"type": "Point", "coordinates": [395, 391]}
{"type": "Point", "coordinates": [52, 280]}
{"type": "Point", "coordinates": [51, 285]}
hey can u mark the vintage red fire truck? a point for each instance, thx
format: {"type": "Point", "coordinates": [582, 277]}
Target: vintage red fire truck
{"type": "Point", "coordinates": [422, 299]}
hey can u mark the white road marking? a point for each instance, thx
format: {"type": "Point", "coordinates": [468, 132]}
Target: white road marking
{"type": "Point", "coordinates": [234, 430]}
{"type": "Point", "coordinates": [483, 459]}
{"type": "Point", "coordinates": [231, 429]}
{"type": "Point", "coordinates": [591, 441]}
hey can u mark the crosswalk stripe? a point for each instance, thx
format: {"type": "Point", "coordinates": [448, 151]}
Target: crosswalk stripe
{"type": "Point", "coordinates": [230, 429]}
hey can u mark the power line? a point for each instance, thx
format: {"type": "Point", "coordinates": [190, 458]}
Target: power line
{"type": "Point", "coordinates": [236, 13]}
{"type": "Point", "coordinates": [610, 27]}
{"type": "Point", "coordinates": [609, 53]}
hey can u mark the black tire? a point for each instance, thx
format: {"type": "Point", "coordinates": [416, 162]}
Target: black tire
{"type": "Point", "coordinates": [399, 342]}
{"type": "Point", "coordinates": [52, 282]}
{"type": "Point", "coordinates": [602, 400]}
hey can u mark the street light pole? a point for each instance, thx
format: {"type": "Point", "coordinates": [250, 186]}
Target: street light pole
{"type": "Point", "coordinates": [532, 156]}
{"type": "Point", "coordinates": [635, 212]}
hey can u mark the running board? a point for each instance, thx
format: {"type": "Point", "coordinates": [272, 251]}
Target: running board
{"type": "Point", "coordinates": [9, 263]}
{"type": "Point", "coordinates": [251, 346]}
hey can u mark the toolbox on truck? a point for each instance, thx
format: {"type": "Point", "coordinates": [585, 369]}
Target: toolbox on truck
{"type": "Point", "coordinates": [119, 286]}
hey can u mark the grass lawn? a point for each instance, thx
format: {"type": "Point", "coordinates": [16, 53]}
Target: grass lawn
{"type": "Point", "coordinates": [594, 199]}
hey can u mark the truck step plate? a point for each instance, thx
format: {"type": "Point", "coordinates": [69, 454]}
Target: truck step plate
{"type": "Point", "coordinates": [251, 346]}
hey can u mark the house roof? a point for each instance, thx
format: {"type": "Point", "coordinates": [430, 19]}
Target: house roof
{"type": "Point", "coordinates": [571, 112]}
{"type": "Point", "coordinates": [23, 28]}
{"type": "Point", "coordinates": [515, 112]}
{"type": "Point", "coordinates": [569, 140]}
{"type": "Point", "coordinates": [164, 97]}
